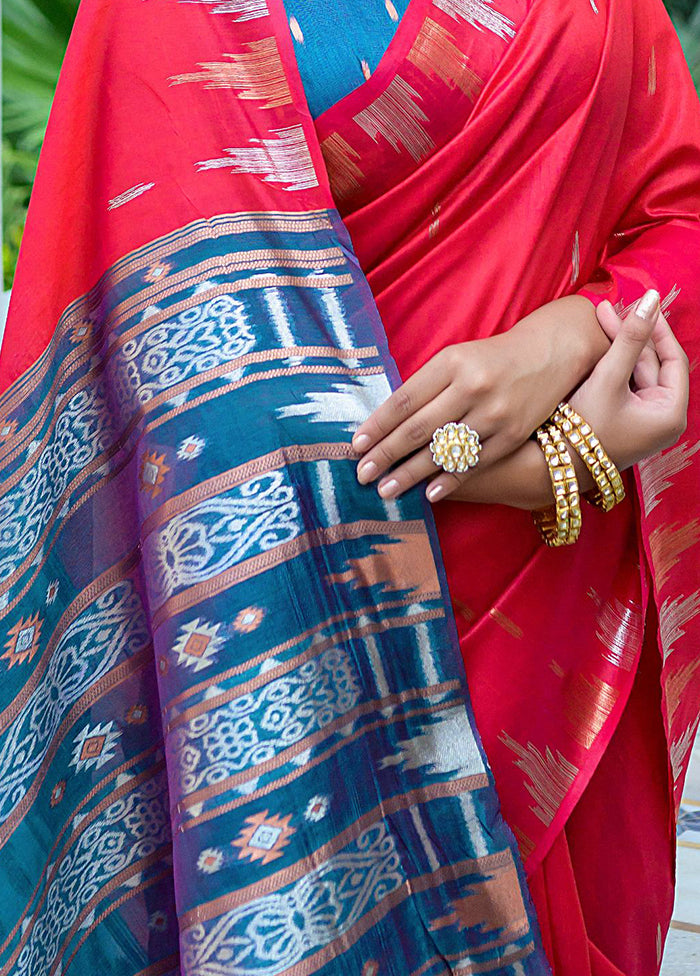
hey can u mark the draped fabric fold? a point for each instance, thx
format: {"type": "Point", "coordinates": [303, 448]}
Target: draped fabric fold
{"type": "Point", "coordinates": [235, 735]}
{"type": "Point", "coordinates": [235, 731]}
{"type": "Point", "coordinates": [569, 164]}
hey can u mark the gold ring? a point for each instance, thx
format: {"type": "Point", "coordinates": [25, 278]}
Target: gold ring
{"type": "Point", "coordinates": [455, 447]}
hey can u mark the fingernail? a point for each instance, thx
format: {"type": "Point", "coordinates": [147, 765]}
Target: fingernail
{"type": "Point", "coordinates": [434, 492]}
{"type": "Point", "coordinates": [361, 442]}
{"type": "Point", "coordinates": [648, 305]}
{"type": "Point", "coordinates": [367, 472]}
{"type": "Point", "coordinates": [389, 488]}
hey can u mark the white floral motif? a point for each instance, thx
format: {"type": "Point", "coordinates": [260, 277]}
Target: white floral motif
{"type": "Point", "coordinates": [95, 746]}
{"type": "Point", "coordinates": [191, 448]}
{"type": "Point", "coordinates": [51, 592]}
{"type": "Point", "coordinates": [193, 342]}
{"type": "Point", "coordinates": [80, 433]}
{"type": "Point", "coordinates": [134, 827]}
{"type": "Point", "coordinates": [255, 727]}
{"type": "Point", "coordinates": [316, 808]}
{"type": "Point", "coordinates": [221, 531]}
{"type": "Point", "coordinates": [278, 930]}
{"type": "Point", "coordinates": [108, 630]}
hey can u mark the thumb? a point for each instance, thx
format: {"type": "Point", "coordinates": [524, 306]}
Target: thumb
{"type": "Point", "coordinates": [632, 336]}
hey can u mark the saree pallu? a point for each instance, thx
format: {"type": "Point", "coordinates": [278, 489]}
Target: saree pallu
{"type": "Point", "coordinates": [212, 630]}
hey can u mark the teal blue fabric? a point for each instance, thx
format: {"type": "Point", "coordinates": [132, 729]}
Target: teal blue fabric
{"type": "Point", "coordinates": [337, 38]}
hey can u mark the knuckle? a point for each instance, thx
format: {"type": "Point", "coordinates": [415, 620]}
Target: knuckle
{"type": "Point", "coordinates": [403, 402]}
{"type": "Point", "coordinates": [453, 358]}
{"type": "Point", "coordinates": [634, 332]}
{"type": "Point", "coordinates": [481, 380]}
{"type": "Point", "coordinates": [384, 455]}
{"type": "Point", "coordinates": [416, 432]}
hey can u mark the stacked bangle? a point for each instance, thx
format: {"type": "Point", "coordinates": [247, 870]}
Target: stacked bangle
{"type": "Point", "coordinates": [560, 524]}
{"type": "Point", "coordinates": [609, 488]}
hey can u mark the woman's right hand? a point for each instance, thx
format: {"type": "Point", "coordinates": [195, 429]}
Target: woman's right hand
{"type": "Point", "coordinates": [631, 423]}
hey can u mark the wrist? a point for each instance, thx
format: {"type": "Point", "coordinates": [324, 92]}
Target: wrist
{"type": "Point", "coordinates": [569, 336]}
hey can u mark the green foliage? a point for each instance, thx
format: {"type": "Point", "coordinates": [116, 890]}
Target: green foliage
{"type": "Point", "coordinates": [685, 15]}
{"type": "Point", "coordinates": [35, 35]}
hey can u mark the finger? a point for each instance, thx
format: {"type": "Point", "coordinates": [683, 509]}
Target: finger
{"type": "Point", "coordinates": [646, 372]}
{"type": "Point", "coordinates": [674, 371]}
{"type": "Point", "coordinates": [672, 356]}
{"type": "Point", "coordinates": [418, 390]}
{"type": "Point", "coordinates": [608, 319]}
{"type": "Point", "coordinates": [632, 336]}
{"type": "Point", "coordinates": [421, 466]}
{"type": "Point", "coordinates": [409, 436]}
{"type": "Point", "coordinates": [447, 482]}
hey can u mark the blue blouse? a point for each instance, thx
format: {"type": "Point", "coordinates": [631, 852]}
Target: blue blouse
{"type": "Point", "coordinates": [339, 44]}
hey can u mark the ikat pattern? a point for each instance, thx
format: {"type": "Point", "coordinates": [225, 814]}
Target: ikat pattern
{"type": "Point", "coordinates": [131, 830]}
{"type": "Point", "coordinates": [255, 728]}
{"type": "Point", "coordinates": [274, 933]}
{"type": "Point", "coordinates": [154, 429]}
{"type": "Point", "coordinates": [221, 532]}
{"type": "Point", "coordinates": [197, 340]}
{"type": "Point", "coordinates": [108, 631]}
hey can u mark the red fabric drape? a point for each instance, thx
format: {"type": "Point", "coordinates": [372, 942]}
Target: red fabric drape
{"type": "Point", "coordinates": [576, 169]}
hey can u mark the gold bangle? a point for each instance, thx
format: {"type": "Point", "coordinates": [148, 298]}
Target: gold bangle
{"type": "Point", "coordinates": [609, 488]}
{"type": "Point", "coordinates": [560, 524]}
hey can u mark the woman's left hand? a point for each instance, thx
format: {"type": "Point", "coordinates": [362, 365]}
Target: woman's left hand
{"type": "Point", "coordinates": [504, 387]}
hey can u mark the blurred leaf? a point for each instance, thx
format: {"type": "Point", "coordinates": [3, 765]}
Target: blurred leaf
{"type": "Point", "coordinates": [35, 36]}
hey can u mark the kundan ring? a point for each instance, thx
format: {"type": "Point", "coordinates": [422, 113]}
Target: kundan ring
{"type": "Point", "coordinates": [455, 447]}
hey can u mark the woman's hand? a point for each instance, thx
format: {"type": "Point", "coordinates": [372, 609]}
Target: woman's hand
{"type": "Point", "coordinates": [631, 423]}
{"type": "Point", "coordinates": [504, 387]}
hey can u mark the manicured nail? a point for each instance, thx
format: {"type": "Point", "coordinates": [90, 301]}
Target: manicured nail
{"type": "Point", "coordinates": [361, 442]}
{"type": "Point", "coordinates": [434, 492]}
{"type": "Point", "coordinates": [648, 305]}
{"type": "Point", "coordinates": [389, 488]}
{"type": "Point", "coordinates": [367, 472]}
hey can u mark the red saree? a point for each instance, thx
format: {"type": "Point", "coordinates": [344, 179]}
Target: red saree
{"type": "Point", "coordinates": [566, 159]}
{"type": "Point", "coordinates": [561, 154]}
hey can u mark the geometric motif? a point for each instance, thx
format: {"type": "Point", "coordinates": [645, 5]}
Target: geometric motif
{"type": "Point", "coordinates": [265, 837]}
{"type": "Point", "coordinates": [248, 620]}
{"type": "Point", "coordinates": [23, 641]}
{"type": "Point", "coordinates": [57, 793]}
{"type": "Point", "coordinates": [157, 271]}
{"type": "Point", "coordinates": [197, 644]}
{"type": "Point", "coordinates": [210, 860]}
{"type": "Point", "coordinates": [190, 448]}
{"type": "Point", "coordinates": [94, 747]}
{"type": "Point", "coordinates": [152, 473]}
{"type": "Point", "coordinates": [316, 808]}
{"type": "Point", "coordinates": [7, 429]}
{"type": "Point", "coordinates": [137, 714]}
{"type": "Point", "coordinates": [51, 592]}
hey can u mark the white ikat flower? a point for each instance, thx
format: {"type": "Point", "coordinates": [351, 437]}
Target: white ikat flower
{"type": "Point", "coordinates": [191, 448]}
{"type": "Point", "coordinates": [316, 808]}
{"type": "Point", "coordinates": [210, 860]}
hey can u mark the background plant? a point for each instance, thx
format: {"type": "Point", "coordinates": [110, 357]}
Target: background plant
{"type": "Point", "coordinates": [35, 34]}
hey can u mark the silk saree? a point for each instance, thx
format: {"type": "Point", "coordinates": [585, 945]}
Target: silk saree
{"type": "Point", "coordinates": [236, 731]}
